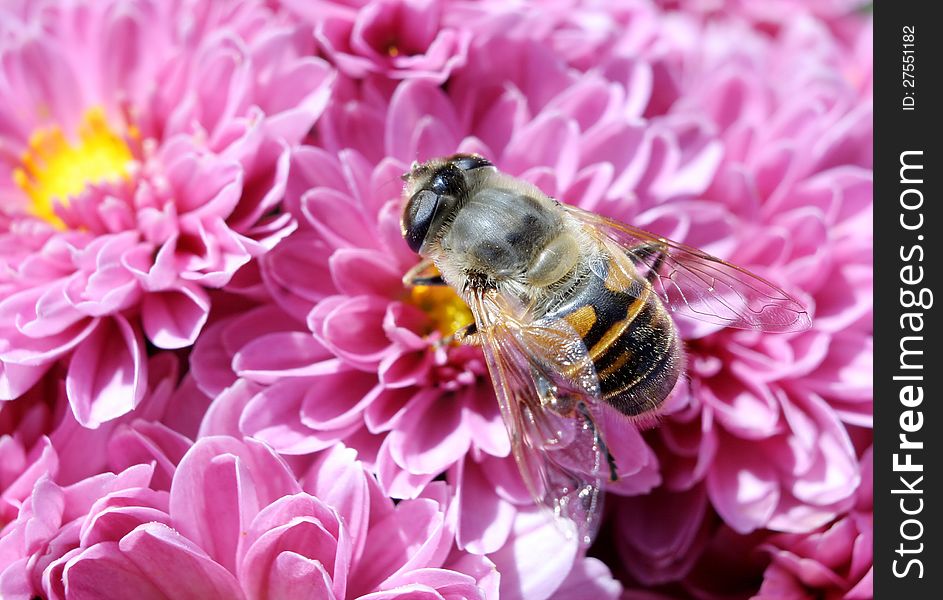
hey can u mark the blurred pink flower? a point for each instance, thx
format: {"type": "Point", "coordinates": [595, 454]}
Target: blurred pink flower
{"type": "Point", "coordinates": [124, 200]}
{"type": "Point", "coordinates": [730, 565]}
{"type": "Point", "coordinates": [745, 132]}
{"type": "Point", "coordinates": [617, 37]}
{"type": "Point", "coordinates": [767, 430]}
{"type": "Point", "coordinates": [398, 39]}
{"type": "Point", "coordinates": [660, 535]}
{"type": "Point", "coordinates": [770, 14]}
{"type": "Point", "coordinates": [39, 436]}
{"type": "Point", "coordinates": [835, 562]}
{"type": "Point", "coordinates": [235, 523]}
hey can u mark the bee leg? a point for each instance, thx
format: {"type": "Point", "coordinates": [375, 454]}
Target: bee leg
{"type": "Point", "coordinates": [563, 404]}
{"type": "Point", "coordinates": [610, 460]}
{"type": "Point", "coordinates": [658, 250]}
{"type": "Point", "coordinates": [418, 281]}
{"type": "Point", "coordinates": [547, 393]}
{"type": "Point", "coordinates": [423, 273]}
{"type": "Point", "coordinates": [467, 335]}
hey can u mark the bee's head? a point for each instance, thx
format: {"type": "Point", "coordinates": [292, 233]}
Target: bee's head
{"type": "Point", "coordinates": [435, 190]}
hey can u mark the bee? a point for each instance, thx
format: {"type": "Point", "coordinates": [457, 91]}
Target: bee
{"type": "Point", "coordinates": [575, 314]}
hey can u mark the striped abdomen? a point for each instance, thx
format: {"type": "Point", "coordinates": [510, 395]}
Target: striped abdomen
{"type": "Point", "coordinates": [632, 341]}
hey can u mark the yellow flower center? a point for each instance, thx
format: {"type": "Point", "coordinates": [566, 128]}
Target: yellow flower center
{"type": "Point", "coordinates": [446, 311]}
{"type": "Point", "coordinates": [54, 167]}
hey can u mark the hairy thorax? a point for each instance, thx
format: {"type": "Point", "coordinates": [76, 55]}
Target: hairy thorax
{"type": "Point", "coordinates": [509, 238]}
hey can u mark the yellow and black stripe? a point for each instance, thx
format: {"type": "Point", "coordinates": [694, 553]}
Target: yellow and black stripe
{"type": "Point", "coordinates": [631, 339]}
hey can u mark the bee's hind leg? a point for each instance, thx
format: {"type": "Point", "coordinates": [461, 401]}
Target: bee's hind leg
{"type": "Point", "coordinates": [601, 443]}
{"type": "Point", "coordinates": [467, 335]}
{"type": "Point", "coordinates": [423, 273]}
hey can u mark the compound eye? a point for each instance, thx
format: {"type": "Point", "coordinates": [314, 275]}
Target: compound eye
{"type": "Point", "coordinates": [447, 180]}
{"type": "Point", "coordinates": [417, 217]}
{"type": "Point", "coordinates": [467, 162]}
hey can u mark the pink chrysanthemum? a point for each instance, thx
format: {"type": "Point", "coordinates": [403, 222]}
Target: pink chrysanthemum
{"type": "Point", "coordinates": [235, 523]}
{"type": "Point", "coordinates": [396, 39]}
{"type": "Point", "coordinates": [143, 152]}
{"type": "Point", "coordinates": [744, 131]}
{"type": "Point", "coordinates": [833, 562]}
{"type": "Point", "coordinates": [768, 438]}
{"type": "Point", "coordinates": [798, 166]}
{"type": "Point", "coordinates": [39, 436]}
{"type": "Point", "coordinates": [770, 14]}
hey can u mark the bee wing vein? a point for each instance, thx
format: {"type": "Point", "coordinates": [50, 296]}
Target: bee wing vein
{"type": "Point", "coordinates": [693, 283]}
{"type": "Point", "coordinates": [557, 453]}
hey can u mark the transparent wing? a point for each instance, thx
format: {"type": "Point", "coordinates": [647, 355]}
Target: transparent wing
{"type": "Point", "coordinates": [547, 388]}
{"type": "Point", "coordinates": [695, 284]}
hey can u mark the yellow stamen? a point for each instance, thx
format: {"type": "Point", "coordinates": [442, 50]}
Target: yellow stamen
{"type": "Point", "coordinates": [447, 312]}
{"type": "Point", "coordinates": [392, 50]}
{"type": "Point", "coordinates": [55, 168]}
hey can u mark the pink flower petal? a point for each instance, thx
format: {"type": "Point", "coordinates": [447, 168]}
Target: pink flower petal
{"type": "Point", "coordinates": [332, 214]}
{"type": "Point", "coordinates": [173, 319]}
{"type": "Point", "coordinates": [144, 442]}
{"type": "Point", "coordinates": [274, 416]}
{"type": "Point", "coordinates": [111, 523]}
{"type": "Point", "coordinates": [548, 140]}
{"type": "Point", "coordinates": [417, 107]}
{"type": "Point", "coordinates": [338, 479]}
{"type": "Point", "coordinates": [299, 253]}
{"type": "Point", "coordinates": [445, 582]}
{"type": "Point", "coordinates": [219, 487]}
{"type": "Point", "coordinates": [528, 571]}
{"type": "Point", "coordinates": [396, 481]}
{"type": "Point", "coordinates": [485, 519]}
{"type": "Point", "coordinates": [406, 592]}
{"type": "Point", "coordinates": [406, 369]}
{"type": "Point", "coordinates": [420, 449]}
{"type": "Point", "coordinates": [743, 487]}
{"type": "Point", "coordinates": [152, 561]}
{"type": "Point", "coordinates": [411, 536]}
{"type": "Point", "coordinates": [16, 379]}
{"type": "Point", "coordinates": [223, 414]}
{"type": "Point", "coordinates": [296, 576]}
{"type": "Point", "coordinates": [661, 534]}
{"type": "Point", "coordinates": [298, 524]}
{"type": "Point", "coordinates": [352, 328]}
{"type": "Point", "coordinates": [107, 374]}
{"type": "Point", "coordinates": [590, 577]}
{"type": "Point", "coordinates": [337, 400]}
{"type": "Point", "coordinates": [272, 356]}
{"type": "Point", "coordinates": [350, 265]}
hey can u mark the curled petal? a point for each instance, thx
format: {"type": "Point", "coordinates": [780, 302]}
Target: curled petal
{"type": "Point", "coordinates": [219, 487]}
{"type": "Point", "coordinates": [173, 318]}
{"type": "Point", "coordinates": [153, 561]}
{"type": "Point", "coordinates": [528, 571]}
{"type": "Point", "coordinates": [107, 375]}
